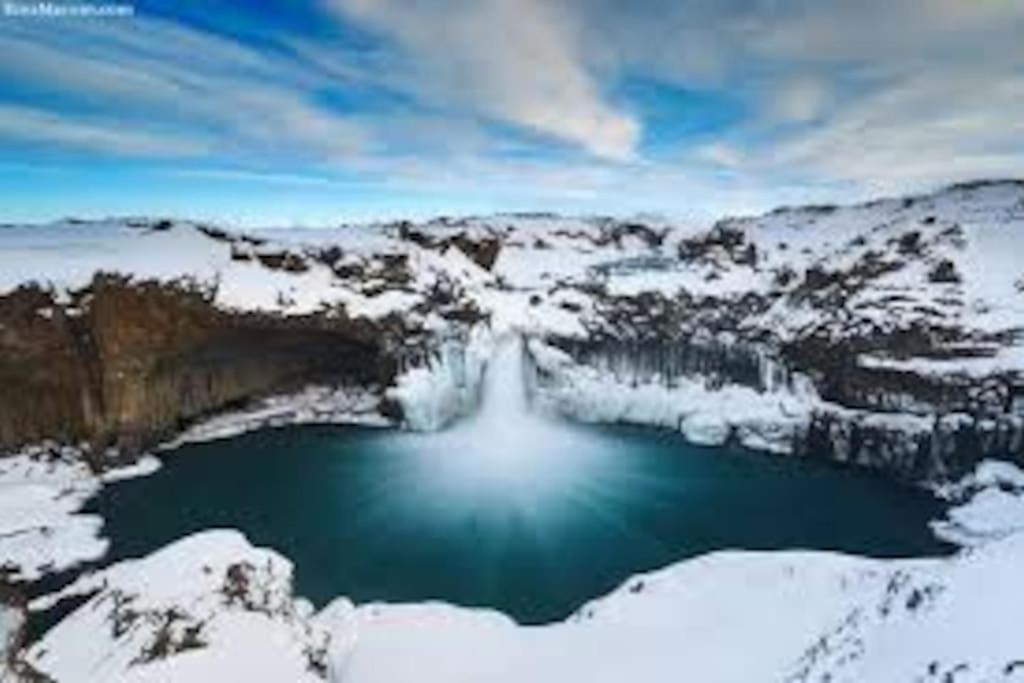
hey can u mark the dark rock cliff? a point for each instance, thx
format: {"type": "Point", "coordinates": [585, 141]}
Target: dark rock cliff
{"type": "Point", "coordinates": [124, 364]}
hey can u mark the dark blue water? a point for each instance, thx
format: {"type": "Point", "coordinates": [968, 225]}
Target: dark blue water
{"type": "Point", "coordinates": [377, 515]}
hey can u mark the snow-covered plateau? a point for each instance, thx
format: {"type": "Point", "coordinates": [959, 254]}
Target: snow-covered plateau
{"type": "Point", "coordinates": [888, 334]}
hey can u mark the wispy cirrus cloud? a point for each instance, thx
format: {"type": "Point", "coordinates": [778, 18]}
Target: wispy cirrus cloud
{"type": "Point", "coordinates": [31, 125]}
{"type": "Point", "coordinates": [154, 71]}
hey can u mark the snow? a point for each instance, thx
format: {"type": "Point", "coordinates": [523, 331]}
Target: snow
{"type": "Point", "coordinates": [44, 487]}
{"type": "Point", "coordinates": [42, 490]}
{"type": "Point", "coordinates": [208, 607]}
{"type": "Point", "coordinates": [765, 420]}
{"type": "Point", "coordinates": [930, 620]}
{"type": "Point", "coordinates": [41, 530]}
{"type": "Point", "coordinates": [549, 256]}
{"type": "Point", "coordinates": [990, 505]}
{"type": "Point", "coordinates": [314, 404]}
{"type": "Point", "coordinates": [433, 395]}
{"type": "Point", "coordinates": [143, 467]}
{"type": "Point", "coordinates": [65, 257]}
{"type": "Point", "coordinates": [560, 277]}
{"type": "Point", "coordinates": [684, 622]}
{"type": "Point", "coordinates": [729, 616]}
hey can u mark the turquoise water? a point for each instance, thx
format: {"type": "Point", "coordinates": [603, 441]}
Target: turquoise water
{"type": "Point", "coordinates": [532, 530]}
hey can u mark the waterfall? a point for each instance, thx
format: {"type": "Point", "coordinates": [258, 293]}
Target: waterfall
{"type": "Point", "coordinates": [504, 430]}
{"type": "Point", "coordinates": [503, 399]}
{"type": "Point", "coordinates": [504, 447]}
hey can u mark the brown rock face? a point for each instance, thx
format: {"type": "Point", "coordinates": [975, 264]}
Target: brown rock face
{"type": "Point", "coordinates": [128, 363]}
{"type": "Point", "coordinates": [482, 251]}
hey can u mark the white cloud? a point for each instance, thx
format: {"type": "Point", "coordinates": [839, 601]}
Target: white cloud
{"type": "Point", "coordinates": [867, 96]}
{"type": "Point", "coordinates": [927, 129]}
{"type": "Point", "coordinates": [512, 60]}
{"type": "Point", "coordinates": [32, 125]}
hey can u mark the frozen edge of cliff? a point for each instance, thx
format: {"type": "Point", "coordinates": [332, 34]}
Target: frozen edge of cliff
{"type": "Point", "coordinates": [761, 420]}
{"type": "Point", "coordinates": [446, 386]}
{"type": "Point", "coordinates": [769, 420]}
{"type": "Point", "coordinates": [847, 618]}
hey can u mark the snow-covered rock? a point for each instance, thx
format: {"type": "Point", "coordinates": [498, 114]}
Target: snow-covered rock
{"type": "Point", "coordinates": [209, 607]}
{"type": "Point", "coordinates": [988, 505]}
{"type": "Point", "coordinates": [768, 420]}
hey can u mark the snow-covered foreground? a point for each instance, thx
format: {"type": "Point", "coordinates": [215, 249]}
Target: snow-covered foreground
{"type": "Point", "coordinates": [213, 607]}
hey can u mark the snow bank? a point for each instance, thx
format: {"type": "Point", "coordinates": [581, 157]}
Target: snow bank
{"type": "Point", "coordinates": [721, 618]}
{"type": "Point", "coordinates": [41, 530]}
{"type": "Point", "coordinates": [951, 620]}
{"type": "Point", "coordinates": [208, 607]}
{"type": "Point", "coordinates": [989, 505]}
{"type": "Point", "coordinates": [42, 490]}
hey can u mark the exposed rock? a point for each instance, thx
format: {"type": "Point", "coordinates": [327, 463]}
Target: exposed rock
{"type": "Point", "coordinates": [126, 363]}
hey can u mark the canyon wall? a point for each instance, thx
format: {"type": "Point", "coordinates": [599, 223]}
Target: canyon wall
{"type": "Point", "coordinates": [125, 364]}
{"type": "Point", "coordinates": [888, 334]}
{"type": "Point", "coordinates": [806, 400]}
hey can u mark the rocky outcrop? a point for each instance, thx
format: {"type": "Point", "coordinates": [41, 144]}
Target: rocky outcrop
{"type": "Point", "coordinates": [124, 364]}
{"type": "Point", "coordinates": [481, 250]}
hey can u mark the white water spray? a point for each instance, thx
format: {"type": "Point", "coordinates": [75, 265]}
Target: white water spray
{"type": "Point", "coordinates": [505, 449]}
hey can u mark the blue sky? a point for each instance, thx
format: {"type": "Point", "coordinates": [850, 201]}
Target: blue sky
{"type": "Point", "coordinates": [287, 112]}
